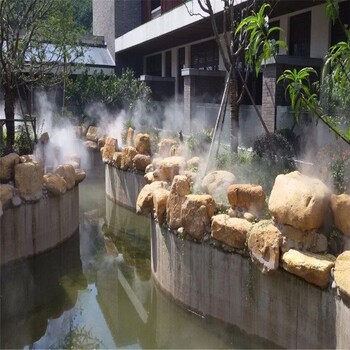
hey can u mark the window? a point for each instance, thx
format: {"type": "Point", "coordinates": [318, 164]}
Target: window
{"type": "Point", "coordinates": [300, 35]}
{"type": "Point", "coordinates": [155, 4]}
{"type": "Point", "coordinates": [154, 65]}
{"type": "Point", "coordinates": [205, 56]}
{"type": "Point", "coordinates": [180, 65]}
{"type": "Point", "coordinates": [168, 64]}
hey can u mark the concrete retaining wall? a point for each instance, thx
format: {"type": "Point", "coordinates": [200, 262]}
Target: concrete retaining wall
{"type": "Point", "coordinates": [280, 307]}
{"type": "Point", "coordinates": [123, 187]}
{"type": "Point", "coordinates": [33, 228]}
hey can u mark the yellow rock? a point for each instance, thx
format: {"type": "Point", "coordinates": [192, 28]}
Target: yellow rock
{"type": "Point", "coordinates": [313, 268]}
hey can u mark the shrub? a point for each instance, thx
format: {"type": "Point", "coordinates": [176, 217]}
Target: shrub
{"type": "Point", "coordinates": [275, 150]}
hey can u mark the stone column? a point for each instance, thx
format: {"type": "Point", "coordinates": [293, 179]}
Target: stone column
{"type": "Point", "coordinates": [189, 93]}
{"type": "Point", "coordinates": [269, 96]}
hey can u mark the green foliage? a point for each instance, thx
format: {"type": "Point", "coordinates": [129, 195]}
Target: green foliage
{"type": "Point", "coordinates": [199, 141]}
{"type": "Point", "coordinates": [332, 10]}
{"type": "Point", "coordinates": [292, 139]}
{"type": "Point", "coordinates": [113, 91]}
{"type": "Point", "coordinates": [333, 107]}
{"type": "Point", "coordinates": [332, 162]}
{"type": "Point", "coordinates": [274, 149]}
{"type": "Point", "coordinates": [261, 45]}
{"type": "Point", "coordinates": [78, 338]}
{"type": "Point", "coordinates": [223, 161]}
{"type": "Point", "coordinates": [83, 13]}
{"type": "Point", "coordinates": [24, 141]}
{"type": "Point", "coordinates": [126, 125]}
{"type": "Point", "coordinates": [298, 89]}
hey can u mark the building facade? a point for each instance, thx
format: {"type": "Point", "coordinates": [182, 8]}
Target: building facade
{"type": "Point", "coordinates": [170, 45]}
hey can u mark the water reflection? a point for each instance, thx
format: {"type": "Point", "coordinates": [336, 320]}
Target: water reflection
{"type": "Point", "coordinates": [102, 296]}
{"type": "Point", "coordinates": [32, 293]}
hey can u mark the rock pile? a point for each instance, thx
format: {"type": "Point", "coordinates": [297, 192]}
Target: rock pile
{"type": "Point", "coordinates": [22, 179]}
{"type": "Point", "coordinates": [288, 233]}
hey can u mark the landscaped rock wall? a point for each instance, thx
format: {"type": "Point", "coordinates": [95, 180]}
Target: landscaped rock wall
{"type": "Point", "coordinates": [38, 210]}
{"type": "Point", "coordinates": [33, 228]}
{"type": "Point", "coordinates": [279, 307]}
{"type": "Point", "coordinates": [289, 235]}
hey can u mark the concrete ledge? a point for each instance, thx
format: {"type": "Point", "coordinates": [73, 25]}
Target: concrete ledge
{"type": "Point", "coordinates": [156, 78]}
{"type": "Point", "coordinates": [33, 228]}
{"type": "Point", "coordinates": [123, 187]}
{"type": "Point", "coordinates": [280, 308]}
{"type": "Point", "coordinates": [203, 73]}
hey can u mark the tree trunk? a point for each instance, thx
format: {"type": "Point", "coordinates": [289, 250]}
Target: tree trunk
{"type": "Point", "coordinates": [10, 99]}
{"type": "Point", "coordinates": [234, 112]}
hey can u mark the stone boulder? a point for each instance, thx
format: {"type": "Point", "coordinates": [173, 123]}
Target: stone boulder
{"type": "Point", "coordinates": [294, 238]}
{"type": "Point", "coordinates": [342, 272]}
{"type": "Point", "coordinates": [160, 200]}
{"type": "Point", "coordinates": [149, 168]}
{"type": "Point", "coordinates": [117, 159]}
{"type": "Point", "coordinates": [216, 184]}
{"type": "Point", "coordinates": [74, 160]}
{"type": "Point", "coordinates": [67, 172]}
{"type": "Point", "coordinates": [6, 194]}
{"type": "Point", "coordinates": [193, 163]}
{"type": "Point", "coordinates": [143, 143]}
{"type": "Point", "coordinates": [341, 212]}
{"type": "Point", "coordinates": [230, 231]}
{"type": "Point", "coordinates": [55, 184]}
{"type": "Point", "coordinates": [191, 175]}
{"type": "Point", "coordinates": [101, 142]}
{"type": "Point", "coordinates": [170, 167]}
{"type": "Point", "coordinates": [109, 148]}
{"type": "Point", "coordinates": [80, 176]}
{"type": "Point", "coordinates": [299, 201]}
{"type": "Point", "coordinates": [164, 147]}
{"type": "Point", "coordinates": [29, 181]}
{"type": "Point", "coordinates": [264, 243]}
{"type": "Point", "coordinates": [128, 155]}
{"type": "Point", "coordinates": [144, 202]}
{"type": "Point", "coordinates": [93, 134]}
{"type": "Point", "coordinates": [141, 161]}
{"type": "Point", "coordinates": [250, 197]}
{"type": "Point", "coordinates": [91, 145]}
{"type": "Point", "coordinates": [149, 178]}
{"type": "Point", "coordinates": [28, 158]}
{"type": "Point", "coordinates": [196, 212]}
{"type": "Point", "coordinates": [313, 268]}
{"type": "Point", "coordinates": [7, 166]}
{"type": "Point", "coordinates": [130, 137]}
{"type": "Point", "coordinates": [180, 187]}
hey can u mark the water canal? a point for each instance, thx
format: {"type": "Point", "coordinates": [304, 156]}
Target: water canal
{"type": "Point", "coordinates": [96, 291]}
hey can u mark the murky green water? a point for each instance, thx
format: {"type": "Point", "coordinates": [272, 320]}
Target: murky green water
{"type": "Point", "coordinates": [96, 291]}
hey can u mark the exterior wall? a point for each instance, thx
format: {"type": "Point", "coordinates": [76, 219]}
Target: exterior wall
{"type": "Point", "coordinates": [168, 22]}
{"type": "Point", "coordinates": [33, 228]}
{"type": "Point", "coordinates": [320, 30]}
{"type": "Point", "coordinates": [128, 14]}
{"type": "Point", "coordinates": [104, 21]}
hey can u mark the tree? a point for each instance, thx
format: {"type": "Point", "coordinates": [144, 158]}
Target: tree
{"type": "Point", "coordinates": [247, 41]}
{"type": "Point", "coordinates": [114, 92]}
{"type": "Point", "coordinates": [329, 100]}
{"type": "Point", "coordinates": [38, 38]}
